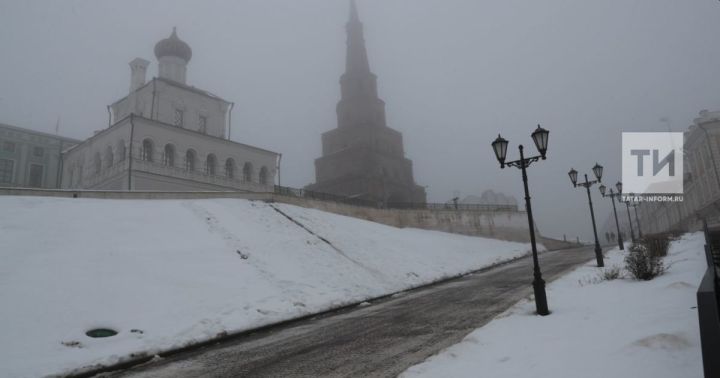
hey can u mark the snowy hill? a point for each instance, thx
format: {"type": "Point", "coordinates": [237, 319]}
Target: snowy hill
{"type": "Point", "coordinates": [165, 273]}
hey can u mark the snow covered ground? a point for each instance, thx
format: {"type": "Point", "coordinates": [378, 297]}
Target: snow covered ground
{"type": "Point", "coordinates": [620, 328]}
{"type": "Point", "coordinates": [165, 273]}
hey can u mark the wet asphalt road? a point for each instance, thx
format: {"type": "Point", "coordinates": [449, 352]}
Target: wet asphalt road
{"type": "Point", "coordinates": [380, 340]}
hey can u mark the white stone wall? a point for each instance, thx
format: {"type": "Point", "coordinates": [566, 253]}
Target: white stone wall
{"type": "Point", "coordinates": [79, 162]}
{"type": "Point", "coordinates": [152, 171]}
{"type": "Point", "coordinates": [167, 99]}
{"type": "Point", "coordinates": [223, 149]}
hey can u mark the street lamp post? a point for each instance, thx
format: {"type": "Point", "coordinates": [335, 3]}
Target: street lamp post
{"type": "Point", "coordinates": [597, 171]}
{"type": "Point", "coordinates": [540, 137]}
{"type": "Point", "coordinates": [637, 220]}
{"type": "Point", "coordinates": [632, 232]}
{"type": "Point", "coordinates": [612, 196]}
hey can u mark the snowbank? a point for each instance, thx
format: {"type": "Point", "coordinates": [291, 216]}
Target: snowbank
{"type": "Point", "coordinates": [164, 273]}
{"type": "Point", "coordinates": [619, 328]}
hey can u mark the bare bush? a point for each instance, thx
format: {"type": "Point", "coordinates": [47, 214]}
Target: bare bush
{"type": "Point", "coordinates": [657, 245]}
{"type": "Point", "coordinates": [607, 274]}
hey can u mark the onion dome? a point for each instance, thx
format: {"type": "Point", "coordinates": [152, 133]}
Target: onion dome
{"type": "Point", "coordinates": [173, 46]}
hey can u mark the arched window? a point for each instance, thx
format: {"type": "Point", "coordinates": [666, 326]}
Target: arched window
{"type": "Point", "coordinates": [147, 150]}
{"type": "Point", "coordinates": [247, 172]}
{"type": "Point", "coordinates": [97, 163]}
{"type": "Point", "coordinates": [109, 157]}
{"type": "Point", "coordinates": [169, 155]}
{"type": "Point", "coordinates": [121, 150]}
{"type": "Point", "coordinates": [210, 164]}
{"type": "Point", "coordinates": [230, 168]}
{"type": "Point", "coordinates": [190, 160]}
{"type": "Point", "coordinates": [263, 175]}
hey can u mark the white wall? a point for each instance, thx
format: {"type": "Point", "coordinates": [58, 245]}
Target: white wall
{"type": "Point", "coordinates": [169, 97]}
{"type": "Point", "coordinates": [155, 174]}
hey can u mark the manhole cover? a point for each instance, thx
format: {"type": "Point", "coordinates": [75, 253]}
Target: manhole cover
{"type": "Point", "coordinates": [101, 332]}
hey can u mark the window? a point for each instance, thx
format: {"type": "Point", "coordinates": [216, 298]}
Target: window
{"type": "Point", "coordinates": [121, 150]}
{"type": "Point", "coordinates": [210, 164]}
{"type": "Point", "coordinates": [9, 146]}
{"type": "Point", "coordinates": [230, 168]}
{"type": "Point", "coordinates": [190, 160]}
{"type": "Point", "coordinates": [247, 172]}
{"type": "Point", "coordinates": [263, 175]}
{"type": "Point", "coordinates": [36, 176]}
{"type": "Point", "coordinates": [147, 150]}
{"type": "Point", "coordinates": [108, 157]}
{"type": "Point", "coordinates": [202, 124]}
{"type": "Point", "coordinates": [97, 161]}
{"type": "Point", "coordinates": [6, 170]}
{"type": "Point", "coordinates": [169, 155]}
{"type": "Point", "coordinates": [38, 151]}
{"type": "Point", "coordinates": [179, 115]}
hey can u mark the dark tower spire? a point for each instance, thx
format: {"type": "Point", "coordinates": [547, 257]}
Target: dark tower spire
{"type": "Point", "coordinates": [359, 103]}
{"type": "Point", "coordinates": [363, 157]}
{"type": "Point", "coordinates": [353, 12]}
{"type": "Point", "coordinates": [357, 60]}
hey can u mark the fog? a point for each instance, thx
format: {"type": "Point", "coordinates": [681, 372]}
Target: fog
{"type": "Point", "coordinates": [453, 73]}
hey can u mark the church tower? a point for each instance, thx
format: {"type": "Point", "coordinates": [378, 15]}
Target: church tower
{"type": "Point", "coordinates": [363, 157]}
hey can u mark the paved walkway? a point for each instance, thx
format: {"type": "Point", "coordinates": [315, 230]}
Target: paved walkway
{"type": "Point", "coordinates": [380, 340]}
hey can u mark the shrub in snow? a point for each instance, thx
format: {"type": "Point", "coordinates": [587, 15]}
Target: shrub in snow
{"type": "Point", "coordinates": [612, 273]}
{"type": "Point", "coordinates": [657, 245]}
{"type": "Point", "coordinates": [642, 263]}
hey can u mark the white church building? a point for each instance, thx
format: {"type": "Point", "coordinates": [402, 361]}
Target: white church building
{"type": "Point", "coordinates": [167, 135]}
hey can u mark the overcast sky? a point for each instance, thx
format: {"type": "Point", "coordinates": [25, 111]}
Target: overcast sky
{"type": "Point", "coordinates": [454, 74]}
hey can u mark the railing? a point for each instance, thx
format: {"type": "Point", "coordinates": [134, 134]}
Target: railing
{"type": "Point", "coordinates": [450, 206]}
{"type": "Point", "coordinates": [708, 304]}
{"type": "Point", "coordinates": [302, 193]}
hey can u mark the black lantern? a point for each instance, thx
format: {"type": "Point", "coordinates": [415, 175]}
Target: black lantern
{"type": "Point", "coordinates": [540, 137]}
{"type": "Point", "coordinates": [619, 187]}
{"type": "Point", "coordinates": [598, 171]}
{"type": "Point", "coordinates": [602, 190]}
{"type": "Point", "coordinates": [573, 176]}
{"type": "Point", "coordinates": [500, 146]}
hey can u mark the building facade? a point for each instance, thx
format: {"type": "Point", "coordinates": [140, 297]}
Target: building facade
{"type": "Point", "coordinates": [363, 157]}
{"type": "Point", "coordinates": [701, 185]}
{"type": "Point", "coordinates": [31, 158]}
{"type": "Point", "coordinates": [167, 135]}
